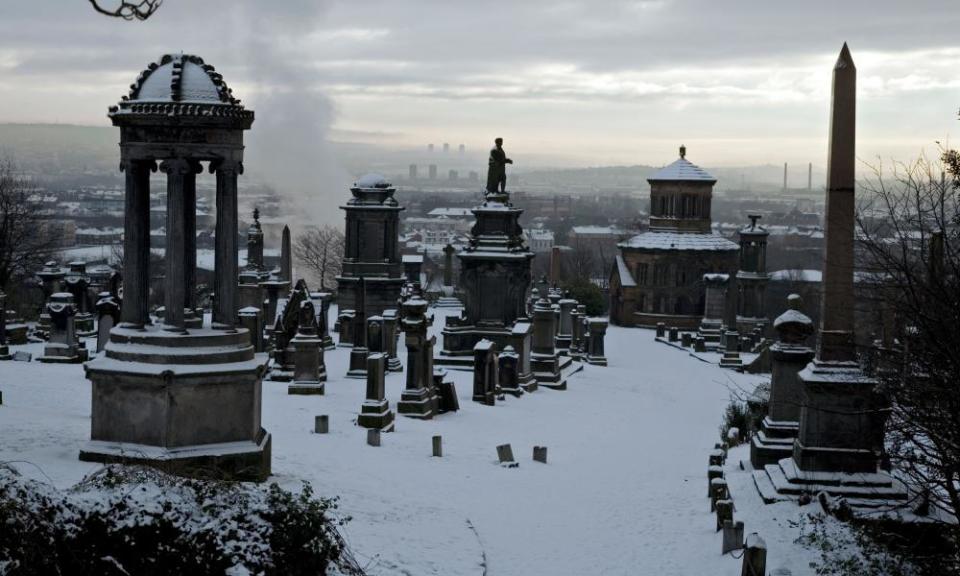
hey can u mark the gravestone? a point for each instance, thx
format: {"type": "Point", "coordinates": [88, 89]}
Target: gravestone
{"type": "Point", "coordinates": [724, 512]}
{"type": "Point", "coordinates": [521, 341]}
{"type": "Point", "coordinates": [540, 454]}
{"type": "Point", "coordinates": [62, 346]}
{"type": "Point", "coordinates": [309, 370]}
{"type": "Point", "coordinates": [595, 353]}
{"type": "Point", "coordinates": [345, 325]}
{"type": "Point", "coordinates": [417, 400]}
{"type": "Point", "coordinates": [714, 471]}
{"type": "Point", "coordinates": [672, 334]}
{"type": "Point", "coordinates": [321, 424]}
{"type": "Point", "coordinates": [754, 556]}
{"type": "Point", "coordinates": [565, 328]}
{"type": "Point", "coordinates": [375, 412]}
{"type": "Point", "coordinates": [108, 315]}
{"type": "Point", "coordinates": [485, 372]}
{"type": "Point", "coordinates": [544, 360]}
{"type": "Point", "coordinates": [732, 536]}
{"type": "Point", "coordinates": [509, 365]}
{"type": "Point", "coordinates": [251, 318]}
{"type": "Point", "coordinates": [437, 446]}
{"type": "Point", "coordinates": [4, 349]}
{"type": "Point", "coordinates": [77, 283]}
{"type": "Point", "coordinates": [21, 356]}
{"type": "Point", "coordinates": [390, 319]}
{"type": "Point", "coordinates": [686, 339]}
{"type": "Point", "coordinates": [661, 330]}
{"type": "Point", "coordinates": [699, 344]}
{"type": "Point", "coordinates": [447, 391]}
{"type": "Point", "coordinates": [323, 319]}
{"type": "Point", "coordinates": [505, 454]}
{"type": "Point", "coordinates": [373, 437]}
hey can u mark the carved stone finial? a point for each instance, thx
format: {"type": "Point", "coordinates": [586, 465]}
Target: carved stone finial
{"type": "Point", "coordinates": [683, 151]}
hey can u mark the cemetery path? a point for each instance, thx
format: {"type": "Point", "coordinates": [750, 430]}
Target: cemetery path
{"type": "Point", "coordinates": [624, 491]}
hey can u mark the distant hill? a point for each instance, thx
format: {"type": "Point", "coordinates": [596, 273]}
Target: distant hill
{"type": "Point", "coordinates": [56, 150]}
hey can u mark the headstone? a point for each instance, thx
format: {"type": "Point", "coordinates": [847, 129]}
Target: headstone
{"type": "Point", "coordinates": [724, 512]}
{"type": "Point", "coordinates": [417, 399]}
{"type": "Point", "coordinates": [719, 491]}
{"type": "Point", "coordinates": [699, 344]}
{"type": "Point", "coordinates": [286, 256]}
{"type": "Point", "coordinates": [505, 454]}
{"type": "Point", "coordinates": [373, 437]}
{"type": "Point", "coordinates": [447, 391]}
{"type": "Point", "coordinates": [544, 360]}
{"type": "Point", "coordinates": [437, 446]}
{"type": "Point", "coordinates": [62, 346]}
{"type": "Point", "coordinates": [21, 356]}
{"type": "Point", "coordinates": [390, 319]}
{"type": "Point", "coordinates": [509, 365]}
{"type": "Point", "coordinates": [485, 372]}
{"type": "Point", "coordinates": [540, 454]}
{"type": "Point", "coordinates": [4, 350]}
{"type": "Point", "coordinates": [661, 330]}
{"type": "Point", "coordinates": [732, 536]}
{"type": "Point", "coordinates": [754, 556]}
{"type": "Point", "coordinates": [672, 334]}
{"type": "Point", "coordinates": [521, 341]}
{"type": "Point", "coordinates": [309, 369]}
{"type": "Point", "coordinates": [321, 424]}
{"type": "Point", "coordinates": [375, 412]}
{"type": "Point", "coordinates": [251, 318]}
{"type": "Point", "coordinates": [565, 329]}
{"type": "Point", "coordinates": [716, 458]}
{"type": "Point", "coordinates": [323, 319]}
{"type": "Point", "coordinates": [108, 315]}
{"type": "Point", "coordinates": [714, 471]}
{"type": "Point", "coordinates": [686, 339]}
{"type": "Point", "coordinates": [596, 354]}
{"type": "Point", "coordinates": [345, 324]}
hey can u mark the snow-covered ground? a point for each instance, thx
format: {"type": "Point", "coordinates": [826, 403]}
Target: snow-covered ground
{"type": "Point", "coordinates": [624, 491]}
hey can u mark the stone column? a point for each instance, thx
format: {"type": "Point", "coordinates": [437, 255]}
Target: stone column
{"type": "Point", "coordinates": [416, 400]}
{"type": "Point", "coordinates": [448, 252]}
{"type": "Point", "coordinates": [598, 329]}
{"type": "Point", "coordinates": [136, 244]}
{"type": "Point", "coordinates": [190, 234]}
{"type": "Point", "coordinates": [175, 297]}
{"type": "Point", "coordinates": [375, 412]}
{"type": "Point", "coordinates": [565, 332]}
{"type": "Point", "coordinates": [225, 257]}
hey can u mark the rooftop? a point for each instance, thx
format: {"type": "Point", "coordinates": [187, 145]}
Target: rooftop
{"type": "Point", "coordinates": [682, 170]}
{"type": "Point", "coordinates": [655, 240]}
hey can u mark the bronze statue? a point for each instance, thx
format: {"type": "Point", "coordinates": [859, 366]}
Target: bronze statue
{"type": "Point", "coordinates": [497, 170]}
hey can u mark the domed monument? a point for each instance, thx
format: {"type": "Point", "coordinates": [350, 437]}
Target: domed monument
{"type": "Point", "coordinates": [184, 393]}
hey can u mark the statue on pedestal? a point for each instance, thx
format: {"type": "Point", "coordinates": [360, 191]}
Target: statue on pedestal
{"type": "Point", "coordinates": [497, 168]}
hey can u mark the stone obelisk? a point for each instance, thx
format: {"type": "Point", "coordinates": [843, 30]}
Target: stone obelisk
{"type": "Point", "coordinates": [841, 428]}
{"type": "Point", "coordinates": [286, 256]}
{"type": "Point", "coordinates": [836, 316]}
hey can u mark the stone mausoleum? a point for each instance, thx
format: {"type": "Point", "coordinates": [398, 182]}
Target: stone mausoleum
{"type": "Point", "coordinates": [182, 393]}
{"type": "Point", "coordinates": [658, 275]}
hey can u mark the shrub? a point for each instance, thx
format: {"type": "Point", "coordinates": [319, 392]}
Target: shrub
{"type": "Point", "coordinates": [588, 294]}
{"type": "Point", "coordinates": [135, 520]}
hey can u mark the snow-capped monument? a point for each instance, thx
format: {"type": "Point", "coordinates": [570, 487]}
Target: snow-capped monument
{"type": "Point", "coordinates": [180, 393]}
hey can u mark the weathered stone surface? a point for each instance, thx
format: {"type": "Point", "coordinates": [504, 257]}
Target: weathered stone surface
{"type": "Point", "coordinates": [62, 346]}
{"type": "Point", "coordinates": [505, 454]}
{"type": "Point", "coordinates": [417, 399]}
{"type": "Point", "coordinates": [321, 424]}
{"type": "Point", "coordinates": [485, 373]}
{"type": "Point", "coordinates": [437, 446]}
{"type": "Point", "coordinates": [508, 372]}
{"type": "Point", "coordinates": [375, 412]}
{"type": "Point", "coordinates": [540, 454]}
{"type": "Point", "coordinates": [732, 536]}
{"type": "Point", "coordinates": [596, 353]}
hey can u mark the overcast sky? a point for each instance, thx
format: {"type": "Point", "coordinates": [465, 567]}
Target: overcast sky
{"type": "Point", "coordinates": [585, 82]}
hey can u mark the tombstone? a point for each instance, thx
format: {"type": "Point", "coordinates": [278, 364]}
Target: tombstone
{"type": "Point", "coordinates": [390, 318]}
{"type": "Point", "coordinates": [716, 458]}
{"type": "Point", "coordinates": [686, 339]}
{"type": "Point", "coordinates": [754, 556]}
{"type": "Point", "coordinates": [714, 471]}
{"type": "Point", "coordinates": [323, 318]}
{"type": "Point", "coordinates": [376, 412]}
{"type": "Point", "coordinates": [321, 424]}
{"type": "Point", "coordinates": [661, 330]}
{"type": "Point", "coordinates": [447, 391]}
{"type": "Point", "coordinates": [509, 366]}
{"type": "Point", "coordinates": [565, 328]}
{"type": "Point", "coordinates": [251, 318]}
{"type": "Point", "coordinates": [576, 320]}
{"type": "Point", "coordinates": [672, 334]}
{"type": "Point", "coordinates": [520, 340]}
{"type": "Point", "coordinates": [485, 372]}
{"type": "Point", "coordinates": [417, 399]}
{"type": "Point", "coordinates": [51, 277]}
{"type": "Point", "coordinates": [596, 354]}
{"type": "Point", "coordinates": [732, 536]}
{"type": "Point", "coordinates": [4, 349]}
{"type": "Point", "coordinates": [540, 454]}
{"type": "Point", "coordinates": [544, 360]}
{"type": "Point", "coordinates": [715, 299]}
{"type": "Point", "coordinates": [77, 283]}
{"type": "Point", "coordinates": [108, 316]}
{"type": "Point", "coordinates": [345, 325]}
{"type": "Point", "coordinates": [62, 346]}
{"type": "Point", "coordinates": [505, 454]}
{"type": "Point", "coordinates": [699, 344]}
{"type": "Point", "coordinates": [21, 356]}
{"type": "Point", "coordinates": [437, 446]}
{"type": "Point", "coordinates": [309, 370]}
{"type": "Point", "coordinates": [373, 437]}
{"type": "Point", "coordinates": [720, 491]}
{"type": "Point", "coordinates": [724, 512]}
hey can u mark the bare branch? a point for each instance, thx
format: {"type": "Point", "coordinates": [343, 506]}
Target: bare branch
{"type": "Point", "coordinates": [129, 10]}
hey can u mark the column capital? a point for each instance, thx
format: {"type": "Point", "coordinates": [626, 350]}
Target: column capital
{"type": "Point", "coordinates": [176, 166]}
{"type": "Point", "coordinates": [127, 164]}
{"type": "Point", "coordinates": [224, 165]}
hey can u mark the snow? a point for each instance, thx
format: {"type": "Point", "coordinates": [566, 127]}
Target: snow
{"type": "Point", "coordinates": [798, 275]}
{"type": "Point", "coordinates": [792, 317]}
{"type": "Point", "coordinates": [626, 278]}
{"type": "Point", "coordinates": [195, 85]}
{"type": "Point", "coordinates": [682, 169]}
{"type": "Point", "coordinates": [663, 240]}
{"type": "Point", "coordinates": [372, 180]}
{"type": "Point", "coordinates": [624, 491]}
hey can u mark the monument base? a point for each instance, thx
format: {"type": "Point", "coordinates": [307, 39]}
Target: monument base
{"type": "Point", "coordinates": [597, 360]}
{"type": "Point", "coordinates": [773, 442]}
{"type": "Point", "coordinates": [242, 461]}
{"type": "Point", "coordinates": [306, 388]}
{"type": "Point", "coordinates": [5, 353]}
{"type": "Point", "coordinates": [864, 490]}
{"type": "Point", "coordinates": [358, 363]}
{"type": "Point", "coordinates": [553, 371]}
{"type": "Point", "coordinates": [376, 415]}
{"type": "Point", "coordinates": [418, 404]}
{"type": "Point", "coordinates": [55, 353]}
{"type": "Point", "coordinates": [394, 364]}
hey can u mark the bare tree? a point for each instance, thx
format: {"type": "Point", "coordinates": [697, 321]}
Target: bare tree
{"type": "Point", "coordinates": [137, 10]}
{"type": "Point", "coordinates": [320, 250]}
{"type": "Point", "coordinates": [27, 240]}
{"type": "Point", "coordinates": [909, 241]}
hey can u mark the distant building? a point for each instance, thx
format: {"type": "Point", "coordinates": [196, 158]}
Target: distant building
{"type": "Point", "coordinates": [474, 176]}
{"type": "Point", "coordinates": [658, 275]}
{"type": "Point", "coordinates": [429, 147]}
{"type": "Point", "coordinates": [413, 171]}
{"type": "Point", "coordinates": [602, 239]}
{"type": "Point", "coordinates": [98, 236]}
{"type": "Point", "coordinates": [446, 147]}
{"type": "Point", "coordinates": [433, 171]}
{"type": "Point", "coordinates": [453, 176]}
{"type": "Point", "coordinates": [539, 239]}
{"type": "Point", "coordinates": [462, 149]}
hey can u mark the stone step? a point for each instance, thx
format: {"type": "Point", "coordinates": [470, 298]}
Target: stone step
{"type": "Point", "coordinates": [768, 493]}
{"type": "Point", "coordinates": [785, 485]}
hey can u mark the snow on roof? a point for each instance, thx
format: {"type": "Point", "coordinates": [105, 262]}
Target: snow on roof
{"type": "Point", "coordinates": [799, 275]}
{"type": "Point", "coordinates": [656, 240]}
{"type": "Point", "coordinates": [372, 180]}
{"type": "Point", "coordinates": [195, 84]}
{"type": "Point", "coordinates": [599, 230]}
{"type": "Point", "coordinates": [793, 317]}
{"type": "Point", "coordinates": [539, 234]}
{"type": "Point", "coordinates": [451, 212]}
{"type": "Point", "coordinates": [411, 258]}
{"type": "Point", "coordinates": [626, 279]}
{"type": "Point", "coordinates": [682, 169]}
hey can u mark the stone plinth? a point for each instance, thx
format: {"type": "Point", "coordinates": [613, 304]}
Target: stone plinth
{"type": "Point", "coordinates": [62, 346]}
{"type": "Point", "coordinates": [190, 402]}
{"type": "Point", "coordinates": [544, 359]}
{"type": "Point", "coordinates": [564, 336]}
{"type": "Point", "coordinates": [375, 412]}
{"type": "Point", "coordinates": [309, 370]}
{"type": "Point", "coordinates": [508, 372]}
{"type": "Point", "coordinates": [596, 354]}
{"type": "Point", "coordinates": [417, 399]}
{"type": "Point", "coordinates": [108, 316]}
{"type": "Point", "coordinates": [521, 340]}
{"type": "Point", "coordinates": [323, 318]}
{"type": "Point", "coordinates": [390, 320]}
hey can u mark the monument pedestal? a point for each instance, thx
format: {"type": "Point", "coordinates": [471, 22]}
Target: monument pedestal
{"type": "Point", "coordinates": [417, 403]}
{"type": "Point", "coordinates": [187, 401]}
{"type": "Point", "coordinates": [358, 362]}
